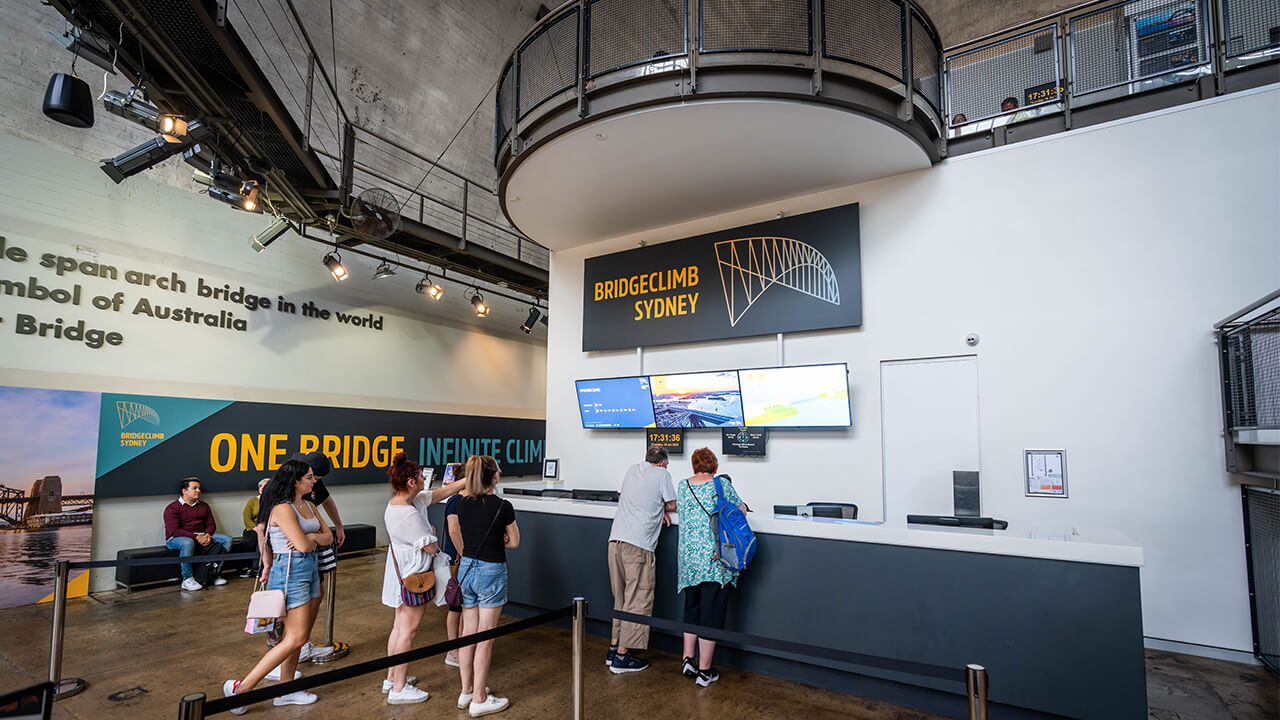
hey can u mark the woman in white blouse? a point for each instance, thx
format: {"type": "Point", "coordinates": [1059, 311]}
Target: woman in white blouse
{"type": "Point", "coordinates": [413, 540]}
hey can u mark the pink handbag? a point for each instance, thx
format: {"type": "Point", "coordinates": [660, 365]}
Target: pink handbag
{"type": "Point", "coordinates": [267, 604]}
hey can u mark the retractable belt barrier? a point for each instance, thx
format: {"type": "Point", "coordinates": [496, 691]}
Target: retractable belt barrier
{"type": "Point", "coordinates": [974, 677]}
{"type": "Point", "coordinates": [186, 560]}
{"type": "Point", "coordinates": [66, 687]}
{"type": "Point", "coordinates": [196, 707]}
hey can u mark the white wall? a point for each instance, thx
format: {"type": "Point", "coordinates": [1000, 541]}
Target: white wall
{"type": "Point", "coordinates": [53, 202]}
{"type": "Point", "coordinates": [1093, 265]}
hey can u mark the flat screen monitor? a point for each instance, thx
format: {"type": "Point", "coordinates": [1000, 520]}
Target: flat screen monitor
{"type": "Point", "coordinates": [743, 441]}
{"type": "Point", "coordinates": [615, 403]}
{"type": "Point", "coordinates": [801, 396]}
{"type": "Point", "coordinates": [34, 703]}
{"type": "Point", "coordinates": [709, 399]}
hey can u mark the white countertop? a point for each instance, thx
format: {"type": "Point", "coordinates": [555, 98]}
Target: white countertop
{"type": "Point", "coordinates": [1101, 546]}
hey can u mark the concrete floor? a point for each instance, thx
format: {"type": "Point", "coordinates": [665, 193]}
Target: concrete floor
{"type": "Point", "coordinates": [170, 643]}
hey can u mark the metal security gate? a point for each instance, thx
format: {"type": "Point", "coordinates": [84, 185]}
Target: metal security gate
{"type": "Point", "coordinates": [1262, 556]}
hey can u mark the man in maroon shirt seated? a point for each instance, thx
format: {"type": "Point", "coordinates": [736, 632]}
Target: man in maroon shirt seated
{"type": "Point", "coordinates": [189, 529]}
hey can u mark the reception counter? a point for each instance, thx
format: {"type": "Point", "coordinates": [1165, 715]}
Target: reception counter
{"type": "Point", "coordinates": [1057, 624]}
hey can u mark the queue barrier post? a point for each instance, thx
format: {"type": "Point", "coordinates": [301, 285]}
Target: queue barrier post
{"type": "Point", "coordinates": [192, 707]}
{"type": "Point", "coordinates": [340, 649]}
{"type": "Point", "coordinates": [976, 684]}
{"type": "Point", "coordinates": [62, 688]}
{"type": "Point", "coordinates": [579, 652]}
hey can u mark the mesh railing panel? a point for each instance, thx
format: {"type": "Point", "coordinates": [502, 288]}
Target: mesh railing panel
{"type": "Point", "coordinates": [548, 62]}
{"type": "Point", "coordinates": [1253, 373]}
{"type": "Point", "coordinates": [865, 32]}
{"type": "Point", "coordinates": [505, 117]}
{"type": "Point", "coordinates": [1262, 524]}
{"type": "Point", "coordinates": [1024, 68]}
{"type": "Point", "coordinates": [768, 25]}
{"type": "Point", "coordinates": [1136, 40]}
{"type": "Point", "coordinates": [1251, 25]}
{"type": "Point", "coordinates": [627, 32]}
{"type": "Point", "coordinates": [924, 63]}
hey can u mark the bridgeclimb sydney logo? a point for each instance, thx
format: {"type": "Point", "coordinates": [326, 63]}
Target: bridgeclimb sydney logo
{"type": "Point", "coordinates": [750, 266]}
{"type": "Point", "coordinates": [131, 411]}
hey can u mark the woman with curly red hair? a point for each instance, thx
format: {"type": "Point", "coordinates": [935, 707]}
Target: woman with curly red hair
{"type": "Point", "coordinates": [411, 549]}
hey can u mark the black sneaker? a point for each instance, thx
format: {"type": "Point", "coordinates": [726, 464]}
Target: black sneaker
{"type": "Point", "coordinates": [708, 676]}
{"type": "Point", "coordinates": [613, 652]}
{"type": "Point", "coordinates": [627, 663]}
{"type": "Point", "coordinates": [690, 669]}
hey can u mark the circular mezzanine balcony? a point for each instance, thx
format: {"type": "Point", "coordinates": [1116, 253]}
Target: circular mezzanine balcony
{"type": "Point", "coordinates": [619, 116]}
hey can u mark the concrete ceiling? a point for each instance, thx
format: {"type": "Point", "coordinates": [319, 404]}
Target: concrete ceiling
{"type": "Point", "coordinates": [665, 165]}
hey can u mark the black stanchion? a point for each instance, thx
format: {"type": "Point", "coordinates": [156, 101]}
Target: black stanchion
{"type": "Point", "coordinates": [192, 707]}
{"type": "Point", "coordinates": [62, 688]}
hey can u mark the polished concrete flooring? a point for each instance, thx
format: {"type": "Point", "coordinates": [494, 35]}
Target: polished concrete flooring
{"type": "Point", "coordinates": [169, 643]}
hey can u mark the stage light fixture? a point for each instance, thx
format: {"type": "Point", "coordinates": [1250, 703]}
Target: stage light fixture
{"type": "Point", "coordinates": [249, 191]}
{"type": "Point", "coordinates": [477, 302]}
{"type": "Point", "coordinates": [333, 261]}
{"type": "Point", "coordinates": [532, 320]}
{"type": "Point", "coordinates": [428, 288]}
{"type": "Point", "coordinates": [152, 153]}
{"type": "Point", "coordinates": [273, 232]}
{"type": "Point", "coordinates": [131, 108]}
{"type": "Point", "coordinates": [544, 320]}
{"type": "Point", "coordinates": [384, 271]}
{"type": "Point", "coordinates": [172, 125]}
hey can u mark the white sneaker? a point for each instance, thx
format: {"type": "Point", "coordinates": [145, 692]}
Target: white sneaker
{"type": "Point", "coordinates": [219, 581]}
{"type": "Point", "coordinates": [408, 680]}
{"type": "Point", "coordinates": [451, 660]}
{"type": "Point", "coordinates": [311, 652]}
{"type": "Point", "coordinates": [464, 700]}
{"type": "Point", "coordinates": [490, 706]}
{"type": "Point", "coordinates": [191, 584]}
{"type": "Point", "coordinates": [229, 689]}
{"type": "Point", "coordinates": [407, 696]}
{"type": "Point", "coordinates": [275, 674]}
{"type": "Point", "coordinates": [302, 697]}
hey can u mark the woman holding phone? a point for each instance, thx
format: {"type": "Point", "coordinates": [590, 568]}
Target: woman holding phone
{"type": "Point", "coordinates": [294, 532]}
{"type": "Point", "coordinates": [411, 549]}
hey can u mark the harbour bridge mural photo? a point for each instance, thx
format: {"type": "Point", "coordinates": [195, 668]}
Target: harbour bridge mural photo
{"type": "Point", "coordinates": [48, 451]}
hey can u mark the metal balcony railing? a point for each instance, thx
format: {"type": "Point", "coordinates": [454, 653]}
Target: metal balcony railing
{"type": "Point", "coordinates": [1104, 51]}
{"type": "Point", "coordinates": [358, 158]}
{"type": "Point", "coordinates": [585, 46]}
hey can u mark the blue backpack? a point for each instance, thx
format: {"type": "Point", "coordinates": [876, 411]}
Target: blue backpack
{"type": "Point", "coordinates": [735, 544]}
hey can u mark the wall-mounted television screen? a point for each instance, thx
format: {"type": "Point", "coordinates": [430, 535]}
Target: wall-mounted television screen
{"type": "Point", "coordinates": [615, 403]}
{"type": "Point", "coordinates": [801, 396]}
{"type": "Point", "coordinates": [708, 399]}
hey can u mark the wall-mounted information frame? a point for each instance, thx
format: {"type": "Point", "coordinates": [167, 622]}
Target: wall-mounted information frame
{"type": "Point", "coordinates": [1045, 472]}
{"type": "Point", "coordinates": [670, 439]}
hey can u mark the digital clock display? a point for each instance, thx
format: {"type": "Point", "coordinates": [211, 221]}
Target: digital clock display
{"type": "Point", "coordinates": [1044, 92]}
{"type": "Point", "coordinates": [671, 440]}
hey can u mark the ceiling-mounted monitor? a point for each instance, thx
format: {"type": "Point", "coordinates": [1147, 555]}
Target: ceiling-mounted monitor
{"type": "Point", "coordinates": [709, 399]}
{"type": "Point", "coordinates": [615, 403]}
{"type": "Point", "coordinates": [801, 396]}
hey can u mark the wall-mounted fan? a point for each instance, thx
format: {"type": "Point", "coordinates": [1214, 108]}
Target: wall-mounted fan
{"type": "Point", "coordinates": [375, 213]}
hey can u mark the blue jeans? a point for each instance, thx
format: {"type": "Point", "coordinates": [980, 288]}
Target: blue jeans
{"type": "Point", "coordinates": [302, 573]}
{"type": "Point", "coordinates": [483, 584]}
{"type": "Point", "coordinates": [187, 546]}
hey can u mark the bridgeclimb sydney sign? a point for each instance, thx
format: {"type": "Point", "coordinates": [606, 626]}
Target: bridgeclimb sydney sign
{"type": "Point", "coordinates": [787, 275]}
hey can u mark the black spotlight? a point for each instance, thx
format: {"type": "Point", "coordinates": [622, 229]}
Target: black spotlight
{"type": "Point", "coordinates": [69, 101]}
{"type": "Point", "coordinates": [527, 327]}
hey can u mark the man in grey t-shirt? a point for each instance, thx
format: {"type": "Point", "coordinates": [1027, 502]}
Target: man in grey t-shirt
{"type": "Point", "coordinates": [647, 496]}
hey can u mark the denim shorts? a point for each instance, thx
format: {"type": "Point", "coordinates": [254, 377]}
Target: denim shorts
{"type": "Point", "coordinates": [484, 584]}
{"type": "Point", "coordinates": [304, 578]}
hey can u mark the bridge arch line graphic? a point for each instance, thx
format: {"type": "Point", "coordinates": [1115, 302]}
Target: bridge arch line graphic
{"type": "Point", "coordinates": [130, 411]}
{"type": "Point", "coordinates": [750, 266]}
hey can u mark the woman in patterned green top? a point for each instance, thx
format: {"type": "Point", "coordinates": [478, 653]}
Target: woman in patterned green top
{"type": "Point", "coordinates": [705, 581]}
